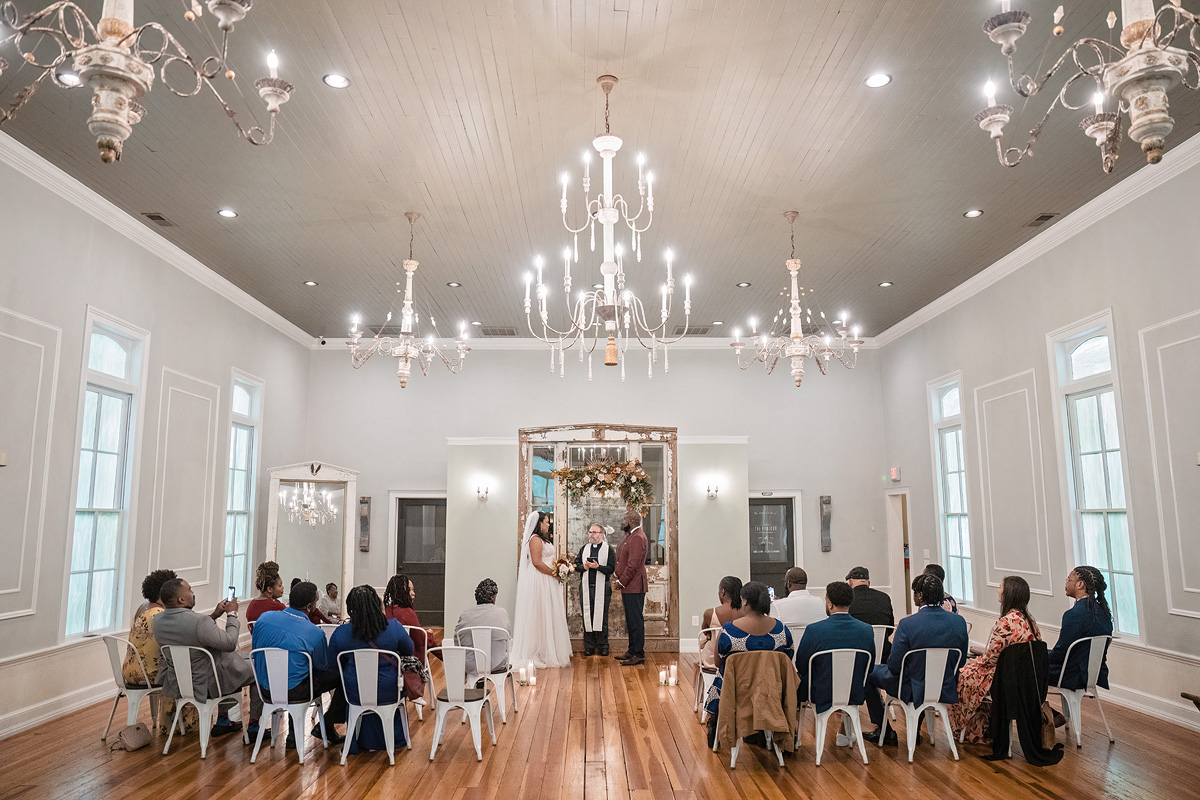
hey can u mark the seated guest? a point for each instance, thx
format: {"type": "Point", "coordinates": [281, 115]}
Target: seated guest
{"type": "Point", "coordinates": [178, 624]}
{"type": "Point", "coordinates": [398, 599]}
{"type": "Point", "coordinates": [837, 631]}
{"type": "Point", "coordinates": [368, 628]}
{"type": "Point", "coordinates": [328, 604]}
{"type": "Point", "coordinates": [948, 602]}
{"type": "Point", "coordinates": [291, 630]}
{"type": "Point", "coordinates": [870, 605]}
{"type": "Point", "coordinates": [141, 636]}
{"type": "Point", "coordinates": [1015, 625]}
{"type": "Point", "coordinates": [729, 608]}
{"type": "Point", "coordinates": [798, 606]}
{"type": "Point", "coordinates": [1090, 616]}
{"type": "Point", "coordinates": [270, 587]}
{"type": "Point", "coordinates": [314, 616]}
{"type": "Point", "coordinates": [754, 630]}
{"type": "Point", "coordinates": [484, 612]}
{"type": "Point", "coordinates": [931, 626]}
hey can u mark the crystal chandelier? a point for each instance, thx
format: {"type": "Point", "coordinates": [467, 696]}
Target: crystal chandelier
{"type": "Point", "coordinates": [117, 62]}
{"type": "Point", "coordinates": [1130, 78]}
{"type": "Point", "coordinates": [797, 344]}
{"type": "Point", "coordinates": [306, 505]}
{"type": "Point", "coordinates": [610, 310]}
{"type": "Point", "coordinates": [405, 348]}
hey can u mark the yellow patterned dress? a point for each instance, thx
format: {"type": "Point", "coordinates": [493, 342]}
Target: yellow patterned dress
{"type": "Point", "coordinates": [141, 636]}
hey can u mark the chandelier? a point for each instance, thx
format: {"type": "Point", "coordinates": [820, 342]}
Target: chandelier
{"type": "Point", "coordinates": [799, 343]}
{"type": "Point", "coordinates": [117, 63]}
{"type": "Point", "coordinates": [1130, 78]}
{"type": "Point", "coordinates": [610, 310]}
{"type": "Point", "coordinates": [306, 505]}
{"type": "Point", "coordinates": [404, 347]}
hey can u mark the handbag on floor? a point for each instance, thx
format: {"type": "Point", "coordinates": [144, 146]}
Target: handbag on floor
{"type": "Point", "coordinates": [132, 737]}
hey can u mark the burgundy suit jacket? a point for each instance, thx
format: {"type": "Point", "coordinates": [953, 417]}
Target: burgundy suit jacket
{"type": "Point", "coordinates": [631, 562]}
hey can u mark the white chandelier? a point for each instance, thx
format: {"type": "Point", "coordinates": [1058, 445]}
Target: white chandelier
{"type": "Point", "coordinates": [610, 310]}
{"type": "Point", "coordinates": [117, 61]}
{"type": "Point", "coordinates": [305, 504]}
{"type": "Point", "coordinates": [1131, 78]}
{"type": "Point", "coordinates": [797, 344]}
{"type": "Point", "coordinates": [404, 347]}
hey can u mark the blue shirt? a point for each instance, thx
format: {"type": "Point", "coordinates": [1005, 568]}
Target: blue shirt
{"type": "Point", "coordinates": [394, 638]}
{"type": "Point", "coordinates": [290, 630]}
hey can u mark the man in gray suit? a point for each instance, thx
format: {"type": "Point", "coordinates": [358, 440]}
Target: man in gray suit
{"type": "Point", "coordinates": [484, 612]}
{"type": "Point", "coordinates": [178, 624]}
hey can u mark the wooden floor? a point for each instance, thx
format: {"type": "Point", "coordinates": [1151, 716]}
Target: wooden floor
{"type": "Point", "coordinates": [593, 730]}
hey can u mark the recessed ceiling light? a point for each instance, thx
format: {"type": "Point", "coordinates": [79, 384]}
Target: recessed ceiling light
{"type": "Point", "coordinates": [69, 78]}
{"type": "Point", "coordinates": [454, 284]}
{"type": "Point", "coordinates": [743, 285]}
{"type": "Point", "coordinates": [311, 283]}
{"type": "Point", "coordinates": [717, 322]}
{"type": "Point", "coordinates": [878, 79]}
{"type": "Point", "coordinates": [228, 213]}
{"type": "Point", "coordinates": [973, 213]}
{"type": "Point", "coordinates": [885, 284]}
{"type": "Point", "coordinates": [336, 81]}
{"type": "Point", "coordinates": [476, 323]}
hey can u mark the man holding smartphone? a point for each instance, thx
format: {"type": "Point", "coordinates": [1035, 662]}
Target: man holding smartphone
{"type": "Point", "coordinates": [596, 561]}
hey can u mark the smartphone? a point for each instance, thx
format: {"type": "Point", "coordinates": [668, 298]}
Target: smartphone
{"type": "Point", "coordinates": [771, 592]}
{"type": "Point", "coordinates": [229, 595]}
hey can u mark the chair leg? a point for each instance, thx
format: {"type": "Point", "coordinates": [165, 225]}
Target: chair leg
{"type": "Point", "coordinates": [883, 726]}
{"type": "Point", "coordinates": [856, 726]}
{"type": "Point", "coordinates": [352, 715]}
{"type": "Point", "coordinates": [490, 721]}
{"type": "Point", "coordinates": [912, 722]}
{"type": "Point", "coordinates": [512, 687]}
{"type": "Point", "coordinates": [298, 724]}
{"type": "Point", "coordinates": [439, 724]}
{"type": "Point", "coordinates": [1076, 715]}
{"type": "Point", "coordinates": [1100, 708]}
{"type": "Point", "coordinates": [404, 723]}
{"type": "Point", "coordinates": [206, 720]}
{"type": "Point", "coordinates": [153, 710]}
{"type": "Point", "coordinates": [500, 700]}
{"type": "Point", "coordinates": [133, 704]}
{"type": "Point", "coordinates": [108, 727]}
{"type": "Point", "coordinates": [387, 717]}
{"type": "Point", "coordinates": [321, 722]}
{"type": "Point", "coordinates": [174, 725]}
{"type": "Point", "coordinates": [734, 753]}
{"type": "Point", "coordinates": [944, 713]}
{"type": "Point", "coordinates": [699, 684]}
{"type": "Point", "coordinates": [475, 732]}
{"type": "Point", "coordinates": [820, 723]}
{"type": "Point", "coordinates": [262, 731]}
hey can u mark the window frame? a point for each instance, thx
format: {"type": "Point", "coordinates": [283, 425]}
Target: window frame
{"type": "Point", "coordinates": [939, 425]}
{"type": "Point", "coordinates": [253, 422]}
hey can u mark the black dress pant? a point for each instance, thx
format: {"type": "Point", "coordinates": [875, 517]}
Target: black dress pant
{"type": "Point", "coordinates": [635, 623]}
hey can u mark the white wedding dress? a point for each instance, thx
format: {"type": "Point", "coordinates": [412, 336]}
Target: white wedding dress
{"type": "Point", "coordinates": [540, 633]}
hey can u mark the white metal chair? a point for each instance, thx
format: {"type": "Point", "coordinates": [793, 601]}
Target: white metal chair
{"type": "Point", "coordinates": [483, 637]}
{"type": "Point", "coordinates": [117, 649]}
{"type": "Point", "coordinates": [473, 701]}
{"type": "Point", "coordinates": [277, 675]}
{"type": "Point", "coordinates": [936, 659]}
{"type": "Point", "coordinates": [737, 743]}
{"type": "Point", "coordinates": [844, 673]}
{"type": "Point", "coordinates": [413, 630]}
{"type": "Point", "coordinates": [882, 632]}
{"type": "Point", "coordinates": [1072, 699]}
{"type": "Point", "coordinates": [180, 660]}
{"type": "Point", "coordinates": [705, 677]}
{"type": "Point", "coordinates": [366, 673]}
{"type": "Point", "coordinates": [797, 633]}
{"type": "Point", "coordinates": [328, 628]}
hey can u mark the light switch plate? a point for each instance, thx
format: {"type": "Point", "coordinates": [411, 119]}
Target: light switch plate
{"type": "Point", "coordinates": [696, 621]}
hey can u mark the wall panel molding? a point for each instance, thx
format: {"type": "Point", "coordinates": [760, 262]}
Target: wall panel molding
{"type": "Point", "coordinates": [1012, 482]}
{"type": "Point", "coordinates": [29, 351]}
{"type": "Point", "coordinates": [185, 467]}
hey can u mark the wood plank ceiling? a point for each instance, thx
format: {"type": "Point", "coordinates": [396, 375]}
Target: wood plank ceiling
{"type": "Point", "coordinates": [467, 112]}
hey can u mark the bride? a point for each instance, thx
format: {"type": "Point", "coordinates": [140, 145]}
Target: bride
{"type": "Point", "coordinates": [540, 630]}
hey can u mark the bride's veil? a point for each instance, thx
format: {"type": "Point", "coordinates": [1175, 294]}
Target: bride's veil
{"type": "Point", "coordinates": [531, 523]}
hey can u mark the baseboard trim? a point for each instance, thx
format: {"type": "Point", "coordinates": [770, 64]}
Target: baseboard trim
{"type": "Point", "coordinates": [23, 719]}
{"type": "Point", "coordinates": [1177, 713]}
{"type": "Point", "coordinates": [689, 645]}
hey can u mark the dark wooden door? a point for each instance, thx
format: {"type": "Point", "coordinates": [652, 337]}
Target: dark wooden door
{"type": "Point", "coordinates": [772, 540]}
{"type": "Point", "coordinates": [421, 555]}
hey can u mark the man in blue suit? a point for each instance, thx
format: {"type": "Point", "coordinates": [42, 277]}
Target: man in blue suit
{"type": "Point", "coordinates": [837, 631]}
{"type": "Point", "coordinates": [931, 626]}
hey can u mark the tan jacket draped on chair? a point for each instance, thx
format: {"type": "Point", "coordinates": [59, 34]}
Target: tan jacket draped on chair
{"type": "Point", "coordinates": [758, 693]}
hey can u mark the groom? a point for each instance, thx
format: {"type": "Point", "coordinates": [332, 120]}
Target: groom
{"type": "Point", "coordinates": [631, 580]}
{"type": "Point", "coordinates": [596, 560]}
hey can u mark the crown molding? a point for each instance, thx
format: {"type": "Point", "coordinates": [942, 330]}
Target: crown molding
{"type": "Point", "coordinates": [1177, 160]}
{"type": "Point", "coordinates": [45, 174]}
{"type": "Point", "coordinates": [525, 343]}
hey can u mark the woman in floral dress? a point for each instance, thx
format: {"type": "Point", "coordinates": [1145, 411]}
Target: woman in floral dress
{"type": "Point", "coordinates": [1016, 625]}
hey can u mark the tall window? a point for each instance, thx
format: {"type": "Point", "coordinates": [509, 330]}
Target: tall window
{"type": "Point", "coordinates": [245, 400]}
{"type": "Point", "coordinates": [103, 482]}
{"type": "Point", "coordinates": [952, 489]}
{"type": "Point", "coordinates": [1098, 505]}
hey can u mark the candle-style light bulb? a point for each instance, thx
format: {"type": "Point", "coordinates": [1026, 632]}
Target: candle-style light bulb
{"type": "Point", "coordinates": [537, 262]}
{"type": "Point", "coordinates": [273, 64]}
{"type": "Point", "coordinates": [670, 263]}
{"type": "Point", "coordinates": [1005, 6]}
{"type": "Point", "coordinates": [737, 334]}
{"type": "Point", "coordinates": [687, 288]}
{"type": "Point", "coordinates": [587, 163]}
{"type": "Point", "coordinates": [565, 180]}
{"type": "Point", "coordinates": [989, 91]}
{"type": "Point", "coordinates": [528, 283]}
{"type": "Point", "coordinates": [1098, 102]}
{"type": "Point", "coordinates": [650, 186]}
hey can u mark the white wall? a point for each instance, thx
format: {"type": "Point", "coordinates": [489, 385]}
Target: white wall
{"type": "Point", "coordinates": [59, 257]}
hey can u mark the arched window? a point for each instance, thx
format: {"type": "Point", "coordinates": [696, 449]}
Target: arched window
{"type": "Point", "coordinates": [951, 406]}
{"type": "Point", "coordinates": [109, 355]}
{"type": "Point", "coordinates": [241, 400]}
{"type": "Point", "coordinates": [1090, 357]}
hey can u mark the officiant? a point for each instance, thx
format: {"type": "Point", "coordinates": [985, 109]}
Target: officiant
{"type": "Point", "coordinates": [596, 561]}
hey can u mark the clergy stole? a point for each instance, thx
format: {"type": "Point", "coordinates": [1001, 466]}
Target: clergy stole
{"type": "Point", "coordinates": [592, 581]}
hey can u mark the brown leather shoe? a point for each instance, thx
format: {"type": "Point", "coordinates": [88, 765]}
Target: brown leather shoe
{"type": "Point", "coordinates": [633, 661]}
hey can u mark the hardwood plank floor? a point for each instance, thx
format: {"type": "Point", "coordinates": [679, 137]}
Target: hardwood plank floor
{"type": "Point", "coordinates": [599, 731]}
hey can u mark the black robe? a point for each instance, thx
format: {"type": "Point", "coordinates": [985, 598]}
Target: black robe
{"type": "Point", "coordinates": [589, 580]}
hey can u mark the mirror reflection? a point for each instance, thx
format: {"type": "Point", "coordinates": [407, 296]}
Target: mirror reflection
{"type": "Point", "coordinates": [309, 539]}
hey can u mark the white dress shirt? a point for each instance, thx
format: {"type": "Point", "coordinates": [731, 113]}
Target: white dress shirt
{"type": "Point", "coordinates": [801, 607]}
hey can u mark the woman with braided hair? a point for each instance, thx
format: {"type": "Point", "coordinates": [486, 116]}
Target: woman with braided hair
{"type": "Point", "coordinates": [398, 599]}
{"type": "Point", "coordinates": [1089, 616]}
{"type": "Point", "coordinates": [270, 586]}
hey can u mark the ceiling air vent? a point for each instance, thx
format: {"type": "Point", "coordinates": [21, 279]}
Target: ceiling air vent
{"type": "Point", "coordinates": [692, 330]}
{"type": "Point", "coordinates": [158, 219]}
{"type": "Point", "coordinates": [1040, 220]}
{"type": "Point", "coordinates": [486, 331]}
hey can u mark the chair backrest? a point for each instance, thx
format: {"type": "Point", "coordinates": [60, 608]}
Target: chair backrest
{"type": "Point", "coordinates": [844, 673]}
{"type": "Point", "coordinates": [797, 633]}
{"type": "Point", "coordinates": [366, 673]}
{"type": "Point", "coordinates": [413, 630]}
{"type": "Point", "coordinates": [936, 660]}
{"type": "Point", "coordinates": [484, 637]}
{"type": "Point", "coordinates": [1095, 657]}
{"type": "Point", "coordinates": [327, 628]}
{"type": "Point", "coordinates": [454, 669]}
{"type": "Point", "coordinates": [117, 648]}
{"type": "Point", "coordinates": [180, 658]}
{"type": "Point", "coordinates": [275, 659]}
{"type": "Point", "coordinates": [969, 626]}
{"type": "Point", "coordinates": [881, 633]}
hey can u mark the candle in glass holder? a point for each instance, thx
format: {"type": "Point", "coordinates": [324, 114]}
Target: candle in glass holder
{"type": "Point", "coordinates": [521, 675]}
{"type": "Point", "coordinates": [674, 676]}
{"type": "Point", "coordinates": [533, 680]}
{"type": "Point", "coordinates": [662, 677]}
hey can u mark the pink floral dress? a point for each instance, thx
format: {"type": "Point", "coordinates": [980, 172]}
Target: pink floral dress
{"type": "Point", "coordinates": [971, 713]}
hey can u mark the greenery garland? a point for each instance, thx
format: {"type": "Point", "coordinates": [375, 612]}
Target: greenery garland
{"type": "Point", "coordinates": [605, 477]}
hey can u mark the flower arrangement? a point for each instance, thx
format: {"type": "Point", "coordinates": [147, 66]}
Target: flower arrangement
{"type": "Point", "coordinates": [563, 568]}
{"type": "Point", "coordinates": [627, 478]}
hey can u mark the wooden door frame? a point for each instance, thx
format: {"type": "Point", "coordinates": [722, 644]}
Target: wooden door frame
{"type": "Point", "coordinates": [797, 518]}
{"type": "Point", "coordinates": [393, 544]}
{"type": "Point", "coordinates": [897, 587]}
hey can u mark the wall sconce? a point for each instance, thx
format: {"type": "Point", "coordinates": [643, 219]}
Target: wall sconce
{"type": "Point", "coordinates": [712, 492]}
{"type": "Point", "coordinates": [482, 493]}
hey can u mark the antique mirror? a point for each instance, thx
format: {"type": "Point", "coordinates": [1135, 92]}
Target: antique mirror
{"type": "Point", "coordinates": [312, 525]}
